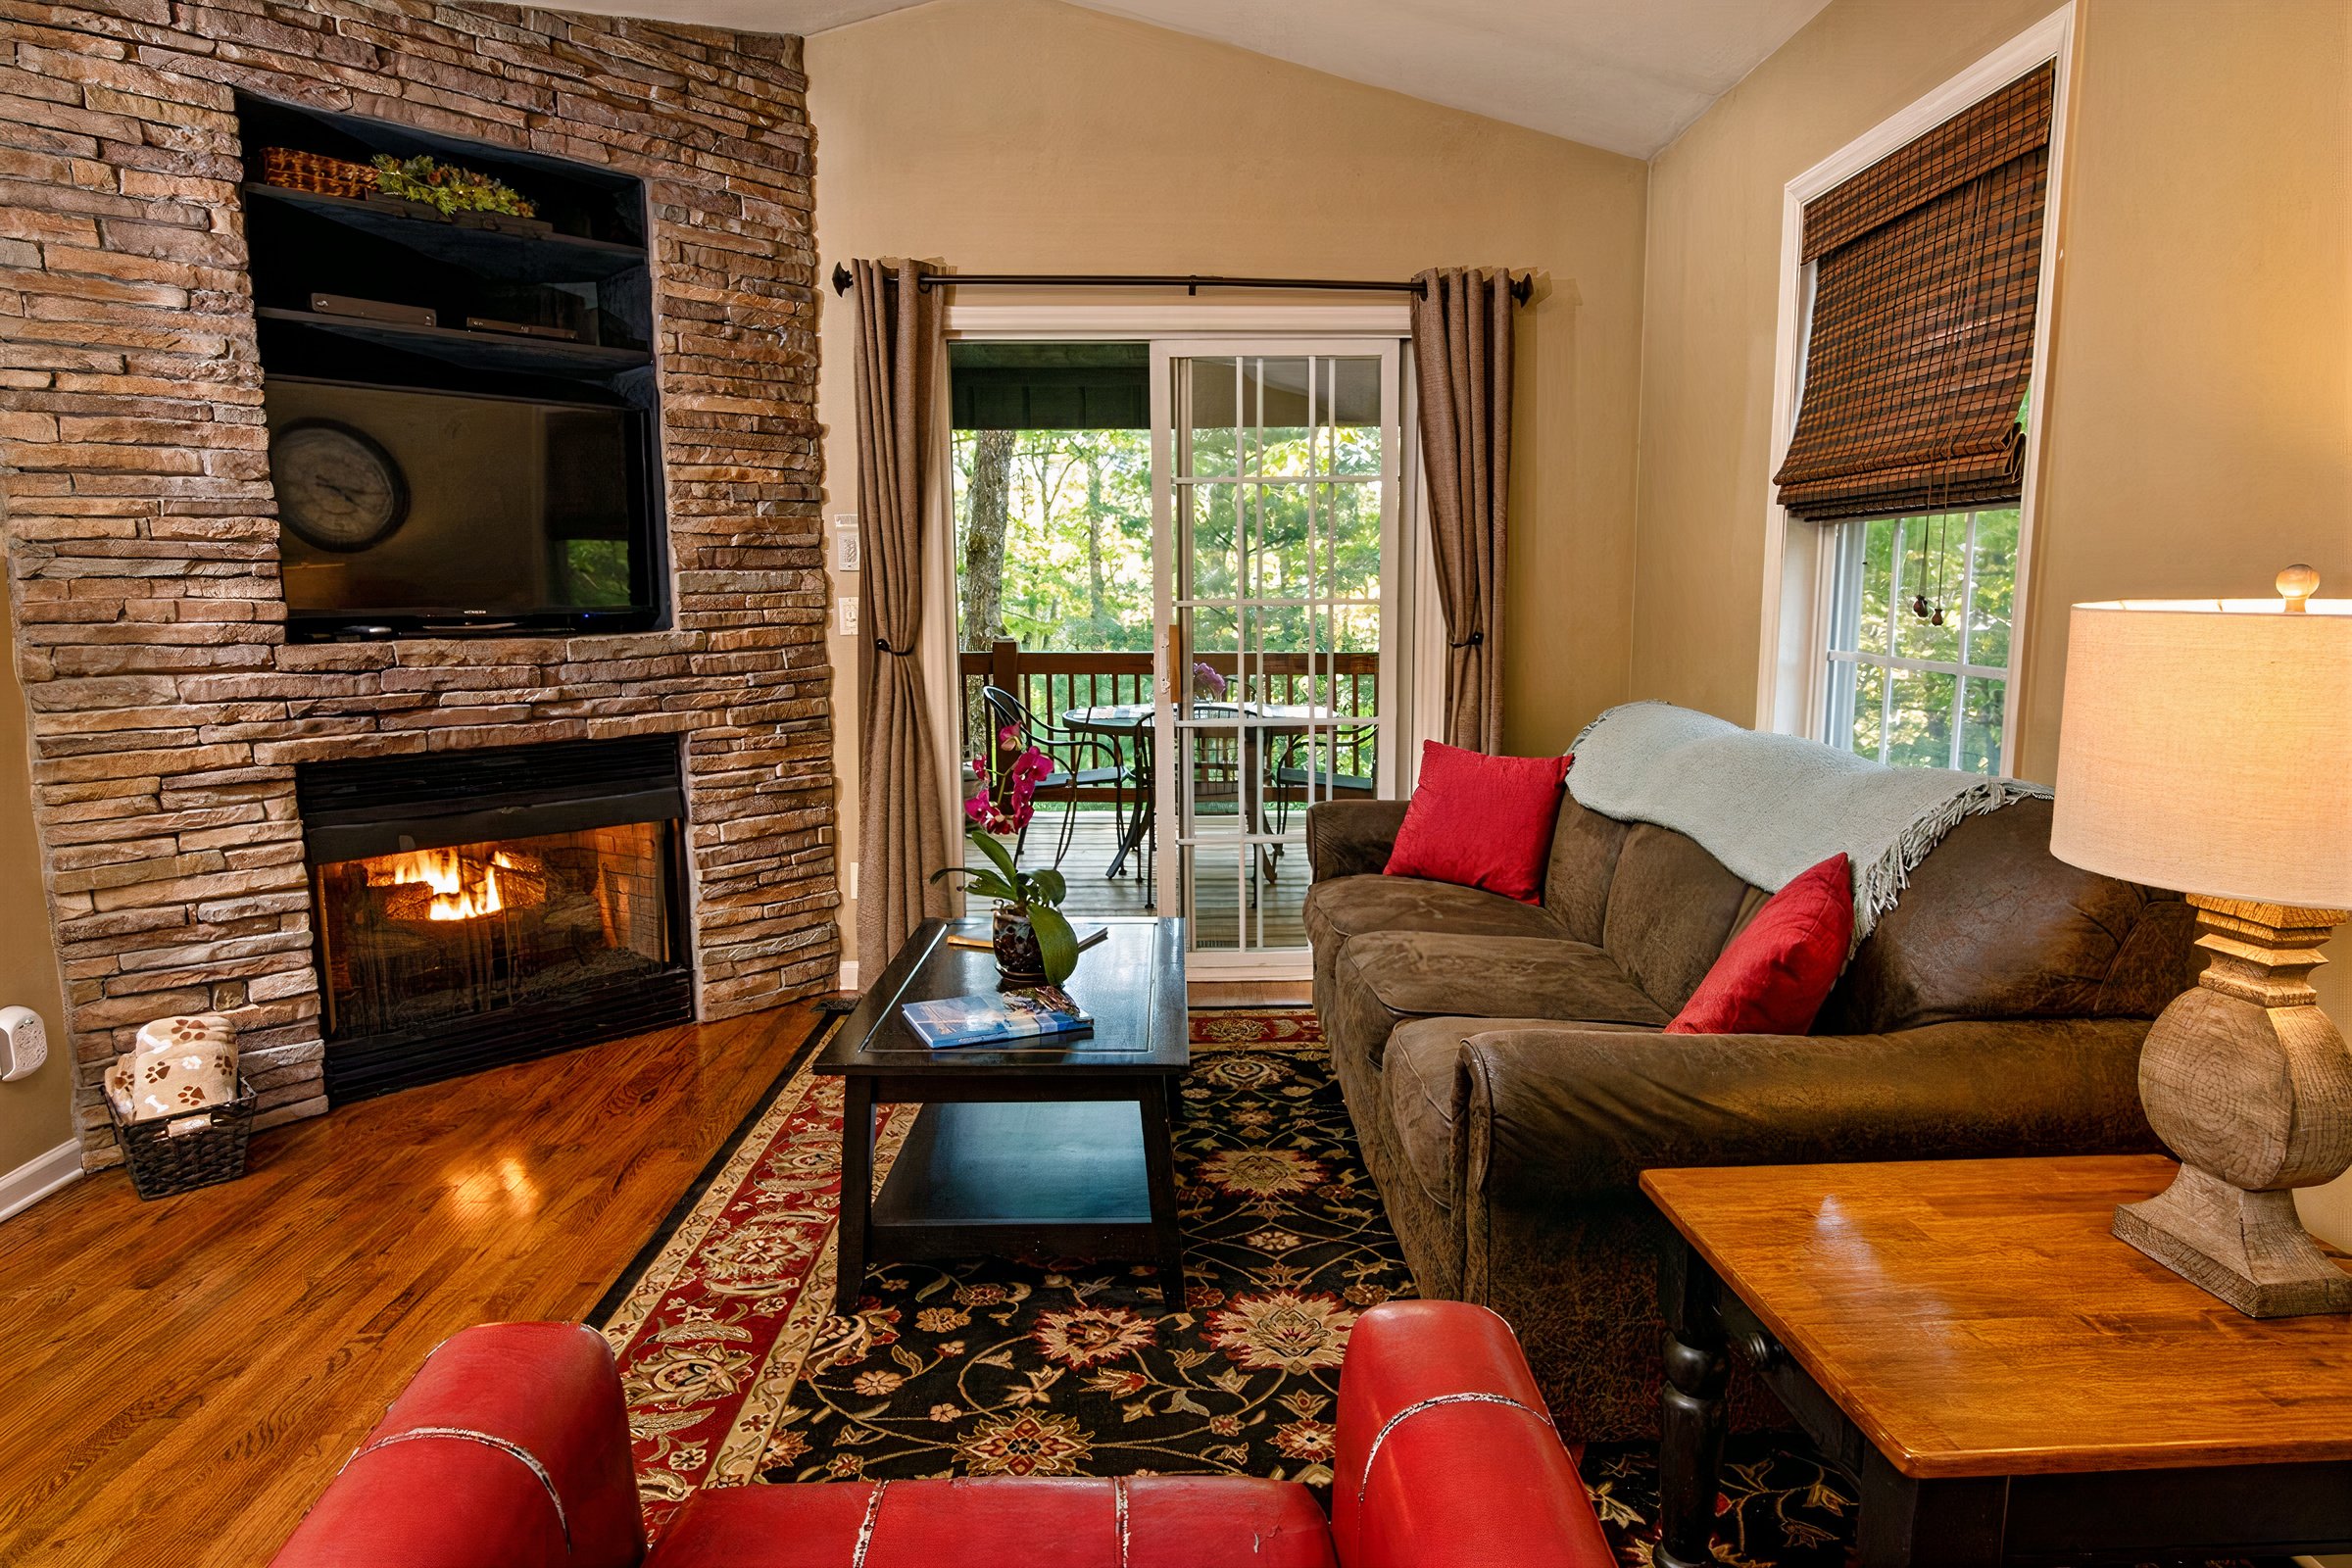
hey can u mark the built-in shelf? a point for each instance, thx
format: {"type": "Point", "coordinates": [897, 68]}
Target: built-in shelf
{"type": "Point", "coordinates": [524, 471]}
{"type": "Point", "coordinates": [474, 351]}
{"type": "Point", "coordinates": [492, 252]}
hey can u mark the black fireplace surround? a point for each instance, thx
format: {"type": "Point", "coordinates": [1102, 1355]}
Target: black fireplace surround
{"type": "Point", "coordinates": [484, 908]}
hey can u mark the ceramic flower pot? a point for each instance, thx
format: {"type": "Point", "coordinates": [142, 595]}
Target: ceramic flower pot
{"type": "Point", "coordinates": [1018, 959]}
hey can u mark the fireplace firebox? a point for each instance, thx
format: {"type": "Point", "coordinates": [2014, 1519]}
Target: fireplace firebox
{"type": "Point", "coordinates": [484, 908]}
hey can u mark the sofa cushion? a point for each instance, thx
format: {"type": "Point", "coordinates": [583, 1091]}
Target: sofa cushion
{"type": "Point", "coordinates": [1994, 926]}
{"type": "Point", "coordinates": [1672, 907]}
{"type": "Point", "coordinates": [1386, 978]}
{"type": "Point", "coordinates": [1359, 906]}
{"type": "Point", "coordinates": [1062, 1522]}
{"type": "Point", "coordinates": [1422, 1088]}
{"type": "Point", "coordinates": [1584, 846]}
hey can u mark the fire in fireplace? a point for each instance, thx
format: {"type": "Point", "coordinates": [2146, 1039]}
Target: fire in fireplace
{"type": "Point", "coordinates": [488, 906]}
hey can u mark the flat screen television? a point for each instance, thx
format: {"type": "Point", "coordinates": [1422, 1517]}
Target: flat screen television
{"type": "Point", "coordinates": [407, 512]}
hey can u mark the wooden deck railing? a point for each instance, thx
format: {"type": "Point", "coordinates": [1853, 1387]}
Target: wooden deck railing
{"type": "Point", "coordinates": [1051, 684]}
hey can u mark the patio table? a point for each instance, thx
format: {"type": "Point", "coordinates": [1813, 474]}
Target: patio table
{"type": "Point", "coordinates": [1133, 724]}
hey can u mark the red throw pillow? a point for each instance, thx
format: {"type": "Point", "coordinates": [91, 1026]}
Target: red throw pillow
{"type": "Point", "coordinates": [1772, 978]}
{"type": "Point", "coordinates": [1481, 821]}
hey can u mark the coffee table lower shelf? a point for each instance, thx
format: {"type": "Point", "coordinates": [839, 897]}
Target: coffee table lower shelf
{"type": "Point", "coordinates": [994, 1177]}
{"type": "Point", "coordinates": [1043, 1176]}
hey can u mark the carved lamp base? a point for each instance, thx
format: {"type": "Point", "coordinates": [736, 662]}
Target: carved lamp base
{"type": "Point", "coordinates": [2248, 1248]}
{"type": "Point", "coordinates": [2249, 1083]}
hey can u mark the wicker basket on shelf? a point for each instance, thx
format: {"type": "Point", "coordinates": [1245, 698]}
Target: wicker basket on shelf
{"type": "Point", "coordinates": [294, 170]}
{"type": "Point", "coordinates": [170, 1155]}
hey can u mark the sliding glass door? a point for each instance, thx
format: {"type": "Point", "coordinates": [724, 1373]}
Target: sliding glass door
{"type": "Point", "coordinates": [1276, 488]}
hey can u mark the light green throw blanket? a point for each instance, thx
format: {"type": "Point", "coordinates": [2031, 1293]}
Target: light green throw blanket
{"type": "Point", "coordinates": [1770, 806]}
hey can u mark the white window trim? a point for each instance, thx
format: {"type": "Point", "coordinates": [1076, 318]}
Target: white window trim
{"type": "Point", "coordinates": [1793, 656]}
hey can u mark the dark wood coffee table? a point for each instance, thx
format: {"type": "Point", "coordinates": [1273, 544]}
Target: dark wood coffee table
{"type": "Point", "coordinates": [2009, 1382]}
{"type": "Point", "coordinates": [1061, 1149]}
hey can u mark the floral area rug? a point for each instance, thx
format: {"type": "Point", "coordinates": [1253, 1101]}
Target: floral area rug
{"type": "Point", "coordinates": [738, 1371]}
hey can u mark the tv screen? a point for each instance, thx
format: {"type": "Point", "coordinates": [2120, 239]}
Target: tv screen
{"type": "Point", "coordinates": [405, 511]}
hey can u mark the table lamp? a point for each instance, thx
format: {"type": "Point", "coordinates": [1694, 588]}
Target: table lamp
{"type": "Point", "coordinates": [2207, 746]}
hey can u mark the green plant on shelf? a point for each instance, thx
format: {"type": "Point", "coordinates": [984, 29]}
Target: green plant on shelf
{"type": "Point", "coordinates": [449, 190]}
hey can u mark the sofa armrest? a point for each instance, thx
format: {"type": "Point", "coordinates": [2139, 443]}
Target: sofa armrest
{"type": "Point", "coordinates": [1351, 838]}
{"type": "Point", "coordinates": [1557, 1114]}
{"type": "Point", "coordinates": [1446, 1455]}
{"type": "Point", "coordinates": [509, 1449]}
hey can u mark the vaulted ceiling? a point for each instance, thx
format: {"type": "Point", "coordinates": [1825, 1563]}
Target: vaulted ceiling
{"type": "Point", "coordinates": [1624, 75]}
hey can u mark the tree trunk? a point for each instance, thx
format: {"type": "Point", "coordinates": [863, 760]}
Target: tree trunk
{"type": "Point", "coordinates": [984, 540]}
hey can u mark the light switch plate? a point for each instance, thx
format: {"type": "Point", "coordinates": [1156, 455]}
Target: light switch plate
{"type": "Point", "coordinates": [845, 616]}
{"type": "Point", "coordinates": [844, 542]}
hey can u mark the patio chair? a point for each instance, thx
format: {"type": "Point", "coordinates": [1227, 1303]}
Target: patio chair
{"type": "Point", "coordinates": [1295, 769]}
{"type": "Point", "coordinates": [1080, 762]}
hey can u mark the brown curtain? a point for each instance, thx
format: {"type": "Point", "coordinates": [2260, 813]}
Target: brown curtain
{"type": "Point", "coordinates": [1463, 358]}
{"type": "Point", "coordinates": [1928, 266]}
{"type": "Point", "coordinates": [900, 837]}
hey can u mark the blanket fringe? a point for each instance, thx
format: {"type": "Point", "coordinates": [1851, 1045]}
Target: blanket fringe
{"type": "Point", "coordinates": [1882, 884]}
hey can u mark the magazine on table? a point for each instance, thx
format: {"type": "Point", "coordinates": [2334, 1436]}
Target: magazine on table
{"type": "Point", "coordinates": [1010, 1018]}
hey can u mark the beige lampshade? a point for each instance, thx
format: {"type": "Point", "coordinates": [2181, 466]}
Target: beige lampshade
{"type": "Point", "coordinates": [2207, 747]}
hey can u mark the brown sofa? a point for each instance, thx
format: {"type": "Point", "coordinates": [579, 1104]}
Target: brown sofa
{"type": "Point", "coordinates": [1504, 1069]}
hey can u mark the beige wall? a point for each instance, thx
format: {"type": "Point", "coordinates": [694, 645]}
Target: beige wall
{"type": "Point", "coordinates": [2199, 401]}
{"type": "Point", "coordinates": [1710, 316]}
{"type": "Point", "coordinates": [34, 1114]}
{"type": "Point", "coordinates": [1024, 135]}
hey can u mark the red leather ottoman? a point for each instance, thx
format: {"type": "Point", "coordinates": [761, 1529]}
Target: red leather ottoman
{"type": "Point", "coordinates": [510, 1450]}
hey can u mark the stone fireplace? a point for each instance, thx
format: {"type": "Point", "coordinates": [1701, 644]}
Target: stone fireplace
{"type": "Point", "coordinates": [187, 757]}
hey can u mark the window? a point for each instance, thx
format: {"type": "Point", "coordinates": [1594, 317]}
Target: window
{"type": "Point", "coordinates": [1913, 285]}
{"type": "Point", "coordinates": [1922, 689]}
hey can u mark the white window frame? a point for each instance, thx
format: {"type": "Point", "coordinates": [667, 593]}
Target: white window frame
{"type": "Point", "coordinates": [1846, 559]}
{"type": "Point", "coordinates": [1800, 567]}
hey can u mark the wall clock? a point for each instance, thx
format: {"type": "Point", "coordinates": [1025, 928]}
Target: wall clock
{"type": "Point", "coordinates": [337, 488]}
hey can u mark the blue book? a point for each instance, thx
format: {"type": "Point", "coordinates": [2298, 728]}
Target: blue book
{"type": "Point", "coordinates": [993, 1016]}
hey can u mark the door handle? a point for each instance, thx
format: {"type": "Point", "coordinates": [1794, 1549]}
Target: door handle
{"type": "Point", "coordinates": [1170, 643]}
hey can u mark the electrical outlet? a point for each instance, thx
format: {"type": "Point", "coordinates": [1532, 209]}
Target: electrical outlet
{"type": "Point", "coordinates": [844, 542]}
{"type": "Point", "coordinates": [845, 616]}
{"type": "Point", "coordinates": [27, 1042]}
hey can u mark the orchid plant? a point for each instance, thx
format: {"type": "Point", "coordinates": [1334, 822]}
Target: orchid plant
{"type": "Point", "coordinates": [998, 810]}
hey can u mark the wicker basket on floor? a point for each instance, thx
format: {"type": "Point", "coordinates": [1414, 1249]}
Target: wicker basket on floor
{"type": "Point", "coordinates": [179, 1153]}
{"type": "Point", "coordinates": [294, 170]}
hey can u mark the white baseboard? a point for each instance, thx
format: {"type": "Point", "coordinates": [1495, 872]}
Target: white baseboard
{"type": "Point", "coordinates": [848, 974]}
{"type": "Point", "coordinates": [38, 1177]}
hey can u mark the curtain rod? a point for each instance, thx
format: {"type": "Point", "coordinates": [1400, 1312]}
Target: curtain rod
{"type": "Point", "coordinates": [1523, 286]}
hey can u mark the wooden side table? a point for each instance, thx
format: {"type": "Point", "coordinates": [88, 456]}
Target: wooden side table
{"type": "Point", "coordinates": [2009, 1382]}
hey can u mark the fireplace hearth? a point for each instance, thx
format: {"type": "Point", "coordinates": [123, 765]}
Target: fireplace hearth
{"type": "Point", "coordinates": [489, 907]}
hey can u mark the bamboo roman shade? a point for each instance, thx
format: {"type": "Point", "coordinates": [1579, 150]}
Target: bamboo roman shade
{"type": "Point", "coordinates": [1928, 264]}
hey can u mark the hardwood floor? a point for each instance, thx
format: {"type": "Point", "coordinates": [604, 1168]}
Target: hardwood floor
{"type": "Point", "coordinates": [184, 1376]}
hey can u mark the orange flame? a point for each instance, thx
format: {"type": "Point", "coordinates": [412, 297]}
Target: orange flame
{"type": "Point", "coordinates": [444, 872]}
